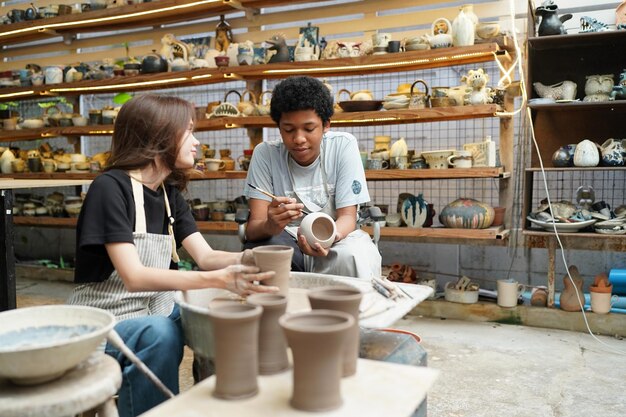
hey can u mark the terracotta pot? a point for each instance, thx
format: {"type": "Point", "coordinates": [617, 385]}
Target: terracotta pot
{"type": "Point", "coordinates": [275, 258]}
{"type": "Point", "coordinates": [316, 339]}
{"type": "Point", "coordinates": [601, 284]}
{"type": "Point", "coordinates": [272, 343]}
{"type": "Point", "coordinates": [346, 299]}
{"type": "Point", "coordinates": [236, 331]}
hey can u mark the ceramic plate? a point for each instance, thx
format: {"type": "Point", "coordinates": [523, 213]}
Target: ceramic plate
{"type": "Point", "coordinates": [610, 231]}
{"type": "Point", "coordinates": [562, 227]}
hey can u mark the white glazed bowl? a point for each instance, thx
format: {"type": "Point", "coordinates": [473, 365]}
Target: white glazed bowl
{"type": "Point", "coordinates": [319, 228]}
{"type": "Point", "coordinates": [32, 351]}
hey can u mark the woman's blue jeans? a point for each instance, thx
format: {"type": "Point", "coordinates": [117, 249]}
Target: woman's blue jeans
{"type": "Point", "coordinates": [158, 341]}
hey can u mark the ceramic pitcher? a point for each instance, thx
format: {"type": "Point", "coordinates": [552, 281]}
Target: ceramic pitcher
{"type": "Point", "coordinates": [612, 153]}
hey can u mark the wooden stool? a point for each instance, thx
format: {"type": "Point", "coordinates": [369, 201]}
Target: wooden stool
{"type": "Point", "coordinates": [89, 386]}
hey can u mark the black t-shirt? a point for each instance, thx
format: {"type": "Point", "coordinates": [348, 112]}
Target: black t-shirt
{"type": "Point", "coordinates": [108, 216]}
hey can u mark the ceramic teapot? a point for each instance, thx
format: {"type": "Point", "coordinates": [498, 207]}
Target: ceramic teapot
{"type": "Point", "coordinates": [442, 34]}
{"type": "Point", "coordinates": [247, 107]}
{"type": "Point", "coordinates": [419, 99]}
{"type": "Point", "coordinates": [153, 63]}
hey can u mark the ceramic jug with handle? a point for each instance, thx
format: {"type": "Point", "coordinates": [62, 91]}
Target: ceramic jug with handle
{"type": "Point", "coordinates": [612, 153]}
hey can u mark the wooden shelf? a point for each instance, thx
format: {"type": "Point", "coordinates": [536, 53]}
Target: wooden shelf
{"type": "Point", "coordinates": [370, 64]}
{"type": "Point", "coordinates": [410, 233]}
{"type": "Point", "coordinates": [609, 106]}
{"type": "Point", "coordinates": [575, 169]}
{"type": "Point", "coordinates": [424, 174]}
{"type": "Point", "coordinates": [492, 233]}
{"type": "Point", "coordinates": [578, 40]}
{"type": "Point", "coordinates": [373, 175]}
{"type": "Point", "coordinates": [583, 241]}
{"type": "Point", "coordinates": [126, 17]}
{"type": "Point", "coordinates": [369, 118]}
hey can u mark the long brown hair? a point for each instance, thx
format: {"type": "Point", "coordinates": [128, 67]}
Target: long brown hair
{"type": "Point", "coordinates": [149, 127]}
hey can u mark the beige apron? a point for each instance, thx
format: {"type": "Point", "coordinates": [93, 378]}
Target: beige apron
{"type": "Point", "coordinates": [155, 251]}
{"type": "Point", "coordinates": [353, 256]}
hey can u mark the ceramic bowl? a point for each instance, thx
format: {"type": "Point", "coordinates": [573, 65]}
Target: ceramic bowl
{"type": "Point", "coordinates": [360, 105]}
{"type": "Point", "coordinates": [39, 344]}
{"type": "Point", "coordinates": [319, 228]}
{"type": "Point", "coordinates": [437, 159]}
{"type": "Point", "coordinates": [33, 124]}
{"type": "Point", "coordinates": [487, 30]}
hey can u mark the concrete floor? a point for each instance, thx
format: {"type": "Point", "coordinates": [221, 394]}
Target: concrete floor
{"type": "Point", "coordinates": [487, 369]}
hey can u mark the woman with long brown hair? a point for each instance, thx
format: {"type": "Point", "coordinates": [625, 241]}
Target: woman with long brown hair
{"type": "Point", "coordinates": [133, 219]}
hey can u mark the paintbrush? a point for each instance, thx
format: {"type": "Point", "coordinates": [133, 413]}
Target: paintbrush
{"type": "Point", "coordinates": [270, 195]}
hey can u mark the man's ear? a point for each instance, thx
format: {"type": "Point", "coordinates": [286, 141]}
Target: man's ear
{"type": "Point", "coordinates": [326, 126]}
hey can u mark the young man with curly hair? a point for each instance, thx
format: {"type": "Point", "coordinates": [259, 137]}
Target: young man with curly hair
{"type": "Point", "coordinates": [312, 169]}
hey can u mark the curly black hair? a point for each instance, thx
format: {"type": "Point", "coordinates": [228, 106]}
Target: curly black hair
{"type": "Point", "coordinates": [301, 93]}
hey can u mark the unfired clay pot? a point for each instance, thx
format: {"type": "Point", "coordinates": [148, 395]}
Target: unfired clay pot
{"type": "Point", "coordinates": [344, 299]}
{"type": "Point", "coordinates": [569, 297]}
{"type": "Point", "coordinates": [275, 258]}
{"type": "Point", "coordinates": [316, 339]}
{"type": "Point", "coordinates": [272, 344]}
{"type": "Point", "coordinates": [236, 331]}
{"type": "Point", "coordinates": [319, 228]}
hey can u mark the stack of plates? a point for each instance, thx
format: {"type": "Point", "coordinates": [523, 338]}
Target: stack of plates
{"type": "Point", "coordinates": [396, 101]}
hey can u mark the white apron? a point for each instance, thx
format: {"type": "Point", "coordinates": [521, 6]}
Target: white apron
{"type": "Point", "coordinates": [155, 251]}
{"type": "Point", "coordinates": [353, 256]}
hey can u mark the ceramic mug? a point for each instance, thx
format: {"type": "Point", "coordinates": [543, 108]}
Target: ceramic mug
{"type": "Point", "coordinates": [461, 159]}
{"type": "Point", "coordinates": [377, 164]}
{"type": "Point", "coordinates": [214, 164]}
{"type": "Point", "coordinates": [601, 302]}
{"type": "Point", "coordinates": [508, 292]}
{"type": "Point", "coordinates": [49, 165]}
{"type": "Point", "coordinates": [381, 39]}
{"type": "Point", "coordinates": [34, 164]}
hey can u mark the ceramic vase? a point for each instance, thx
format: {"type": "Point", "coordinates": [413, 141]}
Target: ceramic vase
{"type": "Point", "coordinates": [236, 331]}
{"type": "Point", "coordinates": [275, 258]}
{"type": "Point", "coordinates": [316, 339]}
{"type": "Point", "coordinates": [272, 344]}
{"type": "Point", "coordinates": [564, 156]}
{"type": "Point", "coordinates": [586, 154]}
{"type": "Point", "coordinates": [467, 213]}
{"type": "Point", "coordinates": [344, 299]}
{"type": "Point", "coordinates": [463, 29]}
{"type": "Point", "coordinates": [569, 300]}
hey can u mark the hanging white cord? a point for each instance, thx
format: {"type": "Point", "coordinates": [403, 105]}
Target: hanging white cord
{"type": "Point", "coordinates": [545, 182]}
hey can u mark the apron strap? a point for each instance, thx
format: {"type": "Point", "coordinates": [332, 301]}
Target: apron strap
{"type": "Point", "coordinates": [140, 213]}
{"type": "Point", "coordinates": [170, 225]}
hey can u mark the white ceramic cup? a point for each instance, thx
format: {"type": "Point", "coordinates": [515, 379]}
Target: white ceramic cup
{"type": "Point", "coordinates": [214, 164]}
{"type": "Point", "coordinates": [319, 228]}
{"type": "Point", "coordinates": [461, 159]}
{"type": "Point", "coordinates": [508, 292]}
{"type": "Point", "coordinates": [601, 302]}
{"type": "Point", "coordinates": [381, 39]}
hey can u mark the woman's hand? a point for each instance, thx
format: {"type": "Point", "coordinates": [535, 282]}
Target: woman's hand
{"type": "Point", "coordinates": [240, 280]}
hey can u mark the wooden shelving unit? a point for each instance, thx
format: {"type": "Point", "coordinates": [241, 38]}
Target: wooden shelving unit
{"type": "Point", "coordinates": [368, 118]}
{"type": "Point", "coordinates": [553, 59]}
{"type": "Point", "coordinates": [370, 64]}
{"type": "Point", "coordinates": [128, 16]}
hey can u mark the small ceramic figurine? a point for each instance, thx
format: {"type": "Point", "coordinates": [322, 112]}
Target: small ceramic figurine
{"type": "Point", "coordinates": [565, 90]}
{"type": "Point", "coordinates": [223, 35]}
{"type": "Point", "coordinates": [478, 92]}
{"type": "Point", "coordinates": [598, 87]}
{"type": "Point", "coordinates": [589, 24]}
{"type": "Point", "coordinates": [619, 91]}
{"type": "Point", "coordinates": [442, 34]}
{"type": "Point", "coordinates": [278, 44]}
{"type": "Point", "coordinates": [551, 23]}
